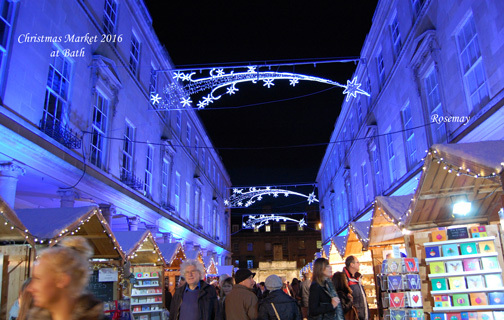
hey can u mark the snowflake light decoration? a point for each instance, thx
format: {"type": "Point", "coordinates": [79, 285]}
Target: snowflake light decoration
{"type": "Point", "coordinates": [256, 222]}
{"type": "Point", "coordinates": [239, 196]}
{"type": "Point", "coordinates": [221, 81]}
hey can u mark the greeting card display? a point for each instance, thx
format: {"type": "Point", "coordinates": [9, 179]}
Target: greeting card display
{"type": "Point", "coordinates": [139, 275]}
{"type": "Point", "coordinates": [438, 235]}
{"type": "Point", "coordinates": [413, 282]}
{"type": "Point", "coordinates": [394, 266]}
{"type": "Point", "coordinates": [472, 316]}
{"type": "Point", "coordinates": [474, 282]}
{"type": "Point", "coordinates": [471, 264]}
{"type": "Point", "coordinates": [154, 274]}
{"type": "Point", "coordinates": [396, 300]}
{"type": "Point", "coordinates": [411, 264]}
{"type": "Point", "coordinates": [450, 250]}
{"type": "Point", "coordinates": [439, 284]}
{"type": "Point", "coordinates": [454, 266]}
{"type": "Point", "coordinates": [437, 267]}
{"type": "Point", "coordinates": [395, 282]}
{"type": "Point", "coordinates": [478, 299]}
{"type": "Point", "coordinates": [415, 314]}
{"type": "Point", "coordinates": [485, 316]}
{"type": "Point", "coordinates": [438, 316]}
{"type": "Point", "coordinates": [486, 246]}
{"type": "Point", "coordinates": [382, 281]}
{"type": "Point", "coordinates": [496, 298]}
{"type": "Point", "coordinates": [384, 266]}
{"type": "Point", "coordinates": [460, 300]}
{"type": "Point", "coordinates": [468, 248]}
{"type": "Point", "coordinates": [146, 275]}
{"type": "Point", "coordinates": [493, 281]}
{"type": "Point", "coordinates": [442, 301]}
{"type": "Point", "coordinates": [397, 315]}
{"type": "Point", "coordinates": [385, 299]}
{"type": "Point", "coordinates": [490, 263]}
{"type": "Point", "coordinates": [432, 252]}
{"type": "Point", "coordinates": [414, 299]}
{"type": "Point", "coordinates": [498, 315]}
{"type": "Point", "coordinates": [453, 316]}
{"type": "Point", "coordinates": [457, 283]}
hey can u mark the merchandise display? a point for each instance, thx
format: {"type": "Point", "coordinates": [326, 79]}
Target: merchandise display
{"type": "Point", "coordinates": [147, 296]}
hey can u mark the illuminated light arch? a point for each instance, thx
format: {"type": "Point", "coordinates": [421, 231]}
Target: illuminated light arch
{"type": "Point", "coordinates": [219, 83]}
{"type": "Point", "coordinates": [241, 198]}
{"type": "Point", "coordinates": [257, 221]}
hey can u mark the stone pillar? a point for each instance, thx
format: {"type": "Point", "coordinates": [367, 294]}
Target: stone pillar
{"type": "Point", "coordinates": [153, 229]}
{"type": "Point", "coordinates": [189, 245]}
{"type": "Point", "coordinates": [9, 173]}
{"type": "Point", "coordinates": [204, 251]}
{"type": "Point", "coordinates": [107, 211]}
{"type": "Point", "coordinates": [167, 237]}
{"type": "Point", "coordinates": [133, 223]}
{"type": "Point", "coordinates": [197, 247]}
{"type": "Point", "coordinates": [68, 197]}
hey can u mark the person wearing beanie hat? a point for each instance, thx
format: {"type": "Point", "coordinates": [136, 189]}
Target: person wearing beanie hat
{"type": "Point", "coordinates": [241, 302]}
{"type": "Point", "coordinates": [278, 305]}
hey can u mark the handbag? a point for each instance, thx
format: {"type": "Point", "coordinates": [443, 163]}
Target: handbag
{"type": "Point", "coordinates": [352, 314]}
{"type": "Point", "coordinates": [274, 309]}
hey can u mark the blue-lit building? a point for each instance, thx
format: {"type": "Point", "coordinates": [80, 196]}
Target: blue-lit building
{"type": "Point", "coordinates": [78, 127]}
{"type": "Point", "coordinates": [435, 73]}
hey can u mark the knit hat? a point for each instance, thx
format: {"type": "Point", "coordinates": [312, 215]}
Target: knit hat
{"type": "Point", "coordinates": [273, 282]}
{"type": "Point", "coordinates": [243, 274]}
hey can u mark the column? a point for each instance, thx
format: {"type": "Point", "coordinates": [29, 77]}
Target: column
{"type": "Point", "coordinates": [133, 223]}
{"type": "Point", "coordinates": [107, 211]}
{"type": "Point", "coordinates": [68, 197]}
{"type": "Point", "coordinates": [9, 173]}
{"type": "Point", "coordinates": [153, 229]}
{"type": "Point", "coordinates": [167, 237]}
{"type": "Point", "coordinates": [189, 245]}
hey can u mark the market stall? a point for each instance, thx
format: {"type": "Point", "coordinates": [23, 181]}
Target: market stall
{"type": "Point", "coordinates": [174, 255]}
{"type": "Point", "coordinates": [210, 268]}
{"type": "Point", "coordinates": [147, 265]}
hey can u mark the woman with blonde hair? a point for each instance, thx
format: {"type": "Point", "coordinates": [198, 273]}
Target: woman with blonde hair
{"type": "Point", "coordinates": [323, 302]}
{"type": "Point", "coordinates": [60, 277]}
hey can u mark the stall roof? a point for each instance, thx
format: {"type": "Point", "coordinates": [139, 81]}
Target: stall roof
{"type": "Point", "coordinates": [340, 243]}
{"type": "Point", "coordinates": [195, 255]}
{"type": "Point", "coordinates": [52, 224]}
{"type": "Point", "coordinates": [173, 253]}
{"type": "Point", "coordinates": [326, 249]}
{"type": "Point", "coordinates": [388, 213]}
{"type": "Point", "coordinates": [140, 247]}
{"type": "Point", "coordinates": [210, 265]}
{"type": "Point", "coordinates": [362, 230]}
{"type": "Point", "coordinates": [11, 228]}
{"type": "Point", "coordinates": [459, 172]}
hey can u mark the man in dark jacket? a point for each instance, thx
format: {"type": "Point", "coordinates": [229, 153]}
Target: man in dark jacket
{"type": "Point", "coordinates": [278, 302]}
{"type": "Point", "coordinates": [351, 270]}
{"type": "Point", "coordinates": [196, 300]}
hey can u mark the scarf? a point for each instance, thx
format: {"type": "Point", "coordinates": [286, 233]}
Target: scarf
{"type": "Point", "coordinates": [352, 279]}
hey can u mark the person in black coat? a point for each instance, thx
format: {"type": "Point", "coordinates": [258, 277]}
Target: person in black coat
{"type": "Point", "coordinates": [277, 300]}
{"type": "Point", "coordinates": [323, 302]}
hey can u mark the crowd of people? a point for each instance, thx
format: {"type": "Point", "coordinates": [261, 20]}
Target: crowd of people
{"type": "Point", "coordinates": [57, 291]}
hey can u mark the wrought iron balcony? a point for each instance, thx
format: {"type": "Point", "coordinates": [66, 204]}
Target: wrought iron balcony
{"type": "Point", "coordinates": [63, 135]}
{"type": "Point", "coordinates": [131, 180]}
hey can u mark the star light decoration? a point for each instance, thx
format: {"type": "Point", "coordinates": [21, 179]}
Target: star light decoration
{"type": "Point", "coordinates": [241, 198]}
{"type": "Point", "coordinates": [219, 82]}
{"type": "Point", "coordinates": [256, 222]}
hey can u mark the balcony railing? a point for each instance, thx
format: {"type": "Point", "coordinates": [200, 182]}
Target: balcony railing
{"type": "Point", "coordinates": [61, 134]}
{"type": "Point", "coordinates": [129, 179]}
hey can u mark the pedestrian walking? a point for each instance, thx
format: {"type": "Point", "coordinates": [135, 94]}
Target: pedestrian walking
{"type": "Point", "coordinates": [242, 302]}
{"type": "Point", "coordinates": [278, 305]}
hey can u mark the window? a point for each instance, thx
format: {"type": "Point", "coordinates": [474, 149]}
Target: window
{"type": "Point", "coordinates": [375, 161]}
{"type": "Point", "coordinates": [152, 83]}
{"type": "Point", "coordinates": [235, 228]}
{"type": "Point", "coordinates": [268, 228]}
{"type": "Point", "coordinates": [300, 228]}
{"type": "Point", "coordinates": [176, 193]}
{"type": "Point", "coordinates": [178, 121]}
{"type": "Point", "coordinates": [237, 263]}
{"type": "Point", "coordinates": [56, 97]}
{"type": "Point", "coordinates": [472, 64]}
{"type": "Point", "coordinates": [197, 215]}
{"type": "Point", "coordinates": [417, 6]}
{"type": "Point", "coordinates": [319, 244]}
{"type": "Point", "coordinates": [352, 126]}
{"type": "Point", "coordinates": [301, 244]}
{"type": "Point", "coordinates": [434, 106]}
{"type": "Point", "coordinates": [203, 157]}
{"type": "Point", "coordinates": [365, 182]}
{"type": "Point", "coordinates": [317, 226]}
{"type": "Point", "coordinates": [236, 247]}
{"type": "Point", "coordinates": [391, 156]}
{"type": "Point", "coordinates": [110, 17]}
{"type": "Point", "coordinates": [256, 229]}
{"type": "Point", "coordinates": [250, 264]}
{"type": "Point", "coordinates": [196, 147]}
{"type": "Point", "coordinates": [396, 35]}
{"type": "Point", "coordinates": [250, 246]}
{"type": "Point", "coordinates": [165, 175]}
{"type": "Point", "coordinates": [360, 115]}
{"type": "Point", "coordinates": [99, 130]}
{"type": "Point", "coordinates": [6, 21]}
{"type": "Point", "coordinates": [409, 136]}
{"type": "Point", "coordinates": [127, 151]}
{"type": "Point", "coordinates": [381, 68]}
{"type": "Point", "coordinates": [356, 191]}
{"type": "Point", "coordinates": [267, 246]}
{"type": "Point", "coordinates": [283, 227]}
{"type": "Point", "coordinates": [188, 200]}
{"type": "Point", "coordinates": [148, 170]}
{"type": "Point", "coordinates": [188, 135]}
{"type": "Point", "coordinates": [134, 60]}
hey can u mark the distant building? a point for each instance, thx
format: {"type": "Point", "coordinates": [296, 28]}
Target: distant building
{"type": "Point", "coordinates": [78, 125]}
{"type": "Point", "coordinates": [428, 65]}
{"type": "Point", "coordinates": [276, 241]}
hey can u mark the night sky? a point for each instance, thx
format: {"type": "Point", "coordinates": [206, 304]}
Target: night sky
{"type": "Point", "coordinates": [217, 32]}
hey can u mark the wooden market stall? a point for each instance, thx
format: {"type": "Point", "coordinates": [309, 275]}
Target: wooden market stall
{"type": "Point", "coordinates": [174, 255]}
{"type": "Point", "coordinates": [147, 266]}
{"type": "Point", "coordinates": [16, 257]}
{"type": "Point", "coordinates": [195, 254]}
{"type": "Point", "coordinates": [210, 268]}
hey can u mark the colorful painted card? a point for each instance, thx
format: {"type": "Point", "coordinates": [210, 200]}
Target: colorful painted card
{"type": "Point", "coordinates": [472, 315]}
{"type": "Point", "coordinates": [396, 300]}
{"type": "Point", "coordinates": [437, 267]}
{"type": "Point", "coordinates": [453, 316]}
{"type": "Point", "coordinates": [414, 299]}
{"type": "Point", "coordinates": [468, 248]}
{"type": "Point", "coordinates": [464, 315]}
{"type": "Point", "coordinates": [439, 284]}
{"type": "Point", "coordinates": [460, 300]}
{"type": "Point", "coordinates": [485, 315]}
{"type": "Point", "coordinates": [394, 266]}
{"type": "Point", "coordinates": [438, 316]}
{"type": "Point", "coordinates": [415, 314]}
{"type": "Point", "coordinates": [490, 263]}
{"type": "Point", "coordinates": [438, 235]}
{"type": "Point", "coordinates": [454, 266]}
{"type": "Point", "coordinates": [471, 264]}
{"type": "Point", "coordinates": [498, 315]}
{"type": "Point", "coordinates": [450, 250]}
{"type": "Point", "coordinates": [442, 301]}
{"type": "Point", "coordinates": [410, 264]}
{"type": "Point", "coordinates": [495, 298]}
{"type": "Point", "coordinates": [384, 266]}
{"type": "Point", "coordinates": [486, 246]}
{"type": "Point", "coordinates": [475, 282]}
{"type": "Point", "coordinates": [478, 299]}
{"type": "Point", "coordinates": [413, 282]}
{"type": "Point", "coordinates": [493, 281]}
{"type": "Point", "coordinates": [395, 282]}
{"type": "Point", "coordinates": [457, 283]}
{"type": "Point", "coordinates": [397, 315]}
{"type": "Point", "coordinates": [432, 252]}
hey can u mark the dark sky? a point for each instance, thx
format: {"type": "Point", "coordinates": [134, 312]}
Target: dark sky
{"type": "Point", "coordinates": [238, 31]}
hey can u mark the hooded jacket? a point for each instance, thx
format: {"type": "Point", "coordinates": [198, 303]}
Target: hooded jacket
{"type": "Point", "coordinates": [358, 293]}
{"type": "Point", "coordinates": [286, 307]}
{"type": "Point", "coordinates": [86, 308]}
{"type": "Point", "coordinates": [208, 304]}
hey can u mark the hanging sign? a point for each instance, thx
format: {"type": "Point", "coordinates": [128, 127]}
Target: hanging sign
{"type": "Point", "coordinates": [107, 275]}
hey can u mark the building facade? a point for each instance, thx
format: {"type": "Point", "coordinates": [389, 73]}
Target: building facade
{"type": "Point", "coordinates": [434, 70]}
{"type": "Point", "coordinates": [78, 125]}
